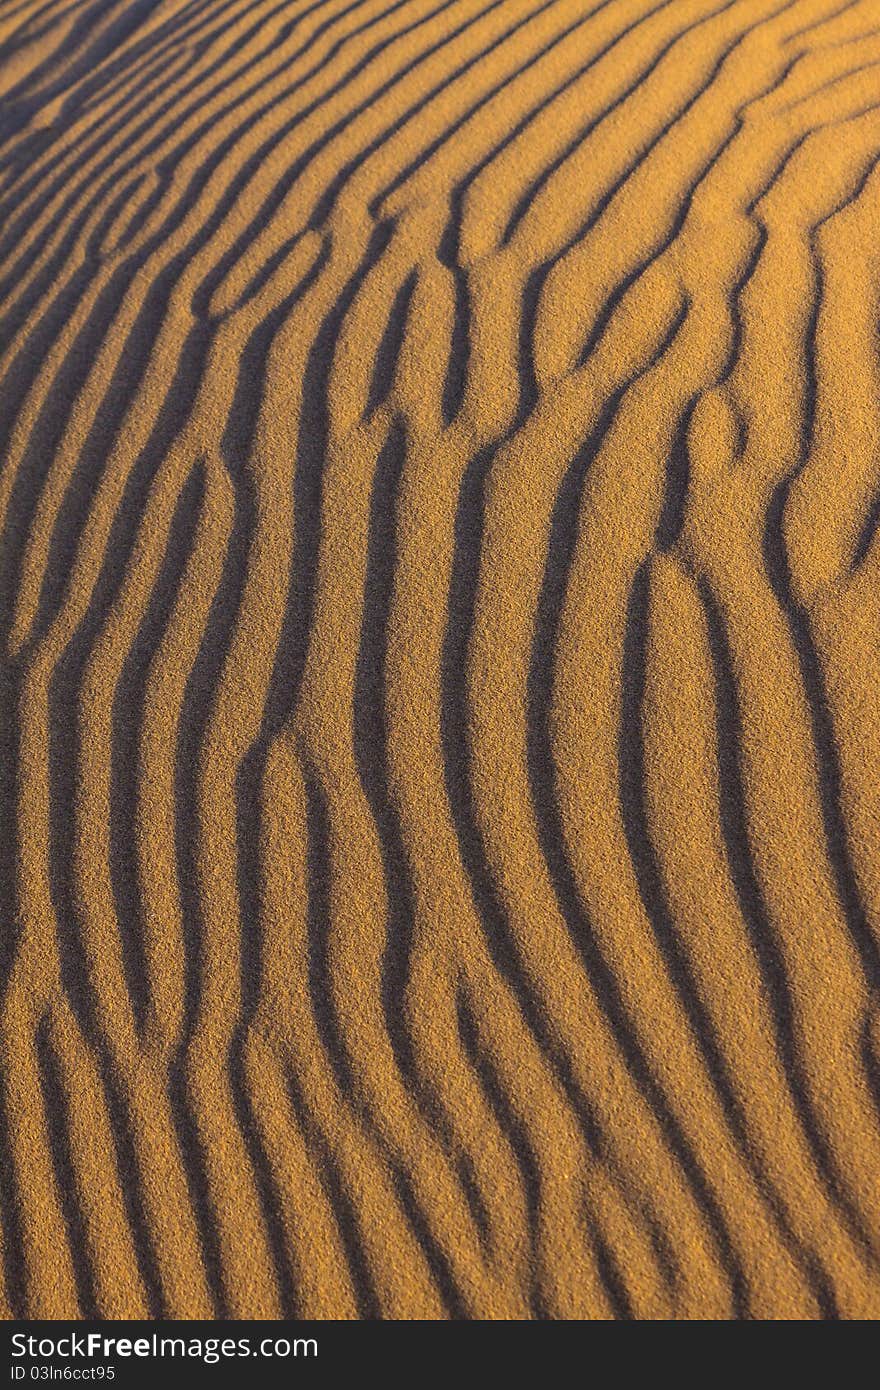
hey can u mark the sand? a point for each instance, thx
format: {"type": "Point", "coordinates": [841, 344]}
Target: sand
{"type": "Point", "coordinates": [439, 590]}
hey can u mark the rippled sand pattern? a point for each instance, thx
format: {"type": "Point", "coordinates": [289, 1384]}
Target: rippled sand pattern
{"type": "Point", "coordinates": [439, 590]}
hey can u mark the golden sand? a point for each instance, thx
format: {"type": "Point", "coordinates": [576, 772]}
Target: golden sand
{"type": "Point", "coordinates": [440, 867]}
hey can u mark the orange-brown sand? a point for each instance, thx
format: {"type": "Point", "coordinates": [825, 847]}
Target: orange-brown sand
{"type": "Point", "coordinates": [439, 589]}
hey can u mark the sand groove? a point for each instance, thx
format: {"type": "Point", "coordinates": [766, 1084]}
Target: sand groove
{"type": "Point", "coordinates": [438, 579]}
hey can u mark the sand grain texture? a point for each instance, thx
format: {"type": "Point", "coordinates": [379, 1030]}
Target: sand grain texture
{"type": "Point", "coordinates": [439, 590]}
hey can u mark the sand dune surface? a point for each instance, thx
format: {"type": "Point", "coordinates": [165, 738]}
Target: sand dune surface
{"type": "Point", "coordinates": [439, 592]}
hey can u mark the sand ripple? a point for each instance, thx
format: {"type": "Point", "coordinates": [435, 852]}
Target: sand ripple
{"type": "Point", "coordinates": [439, 581]}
